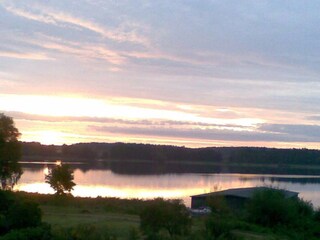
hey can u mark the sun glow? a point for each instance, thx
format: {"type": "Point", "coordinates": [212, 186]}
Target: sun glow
{"type": "Point", "coordinates": [49, 137]}
{"type": "Point", "coordinates": [101, 108]}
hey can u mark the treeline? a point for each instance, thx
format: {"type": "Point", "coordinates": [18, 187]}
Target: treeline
{"type": "Point", "coordinates": [163, 153]}
{"type": "Point", "coordinates": [121, 151]}
{"type": "Point", "coordinates": [271, 155]}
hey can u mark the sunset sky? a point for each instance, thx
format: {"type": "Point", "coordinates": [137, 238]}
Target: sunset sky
{"type": "Point", "coordinates": [181, 72]}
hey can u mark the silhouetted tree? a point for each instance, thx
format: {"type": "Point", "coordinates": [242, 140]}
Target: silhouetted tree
{"type": "Point", "coordinates": [60, 179]}
{"type": "Point", "coordinates": [10, 153]}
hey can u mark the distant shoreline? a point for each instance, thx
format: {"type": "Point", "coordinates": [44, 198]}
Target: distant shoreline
{"type": "Point", "coordinates": [142, 167]}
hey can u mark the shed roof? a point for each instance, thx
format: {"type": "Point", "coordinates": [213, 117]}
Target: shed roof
{"type": "Point", "coordinates": [245, 192]}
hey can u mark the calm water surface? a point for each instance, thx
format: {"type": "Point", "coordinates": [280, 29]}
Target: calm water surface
{"type": "Point", "coordinates": [106, 183]}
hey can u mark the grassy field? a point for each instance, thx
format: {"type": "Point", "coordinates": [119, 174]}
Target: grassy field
{"type": "Point", "coordinates": [109, 216]}
{"type": "Point", "coordinates": [117, 224]}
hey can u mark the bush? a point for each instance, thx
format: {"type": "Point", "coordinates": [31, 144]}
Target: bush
{"type": "Point", "coordinates": [38, 233]}
{"type": "Point", "coordinates": [6, 199]}
{"type": "Point", "coordinates": [83, 232]}
{"type": "Point", "coordinates": [3, 225]}
{"type": "Point", "coordinates": [171, 215]}
{"type": "Point", "coordinates": [217, 227]}
{"type": "Point", "coordinates": [304, 208]}
{"type": "Point", "coordinates": [317, 215]}
{"type": "Point", "coordinates": [269, 207]}
{"type": "Point", "coordinates": [23, 215]}
{"type": "Point", "coordinates": [16, 213]}
{"type": "Point", "coordinates": [133, 234]}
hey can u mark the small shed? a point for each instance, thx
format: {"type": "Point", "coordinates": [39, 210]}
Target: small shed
{"type": "Point", "coordinates": [235, 198]}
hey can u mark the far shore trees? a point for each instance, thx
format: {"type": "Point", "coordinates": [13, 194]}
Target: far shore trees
{"type": "Point", "coordinates": [10, 153]}
{"type": "Point", "coordinates": [60, 179]}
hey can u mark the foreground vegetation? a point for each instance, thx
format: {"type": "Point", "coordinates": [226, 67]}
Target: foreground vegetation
{"type": "Point", "coordinates": [50, 217]}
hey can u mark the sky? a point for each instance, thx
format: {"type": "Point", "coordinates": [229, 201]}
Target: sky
{"type": "Point", "coordinates": [183, 72]}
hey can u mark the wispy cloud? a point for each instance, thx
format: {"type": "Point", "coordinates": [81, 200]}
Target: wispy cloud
{"type": "Point", "coordinates": [117, 121]}
{"type": "Point", "coordinates": [302, 131]}
{"type": "Point", "coordinates": [50, 16]}
{"type": "Point", "coordinates": [29, 15]}
{"type": "Point", "coordinates": [83, 50]}
{"type": "Point", "coordinates": [191, 63]}
{"type": "Point", "coordinates": [215, 134]}
{"type": "Point", "coordinates": [313, 118]}
{"type": "Point", "coordinates": [25, 55]}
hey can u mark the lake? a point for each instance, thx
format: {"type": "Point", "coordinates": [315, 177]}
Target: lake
{"type": "Point", "coordinates": [93, 181]}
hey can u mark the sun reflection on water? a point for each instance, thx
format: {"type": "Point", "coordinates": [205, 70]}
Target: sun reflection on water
{"type": "Point", "coordinates": [46, 171]}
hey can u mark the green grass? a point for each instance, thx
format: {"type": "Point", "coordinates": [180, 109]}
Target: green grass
{"type": "Point", "coordinates": [117, 224]}
{"type": "Point", "coordinates": [69, 216]}
{"type": "Point", "coordinates": [116, 216]}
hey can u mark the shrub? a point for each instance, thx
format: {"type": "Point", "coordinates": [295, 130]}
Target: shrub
{"type": "Point", "coordinates": [270, 207]}
{"type": "Point", "coordinates": [6, 200]}
{"type": "Point", "coordinates": [42, 232]}
{"type": "Point", "coordinates": [23, 215]}
{"type": "Point", "coordinates": [304, 208]}
{"type": "Point", "coordinates": [3, 225]}
{"type": "Point", "coordinates": [317, 215]}
{"type": "Point", "coordinates": [171, 215]}
{"type": "Point", "coordinates": [133, 234]}
{"type": "Point", "coordinates": [217, 227]}
{"type": "Point", "coordinates": [83, 232]}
